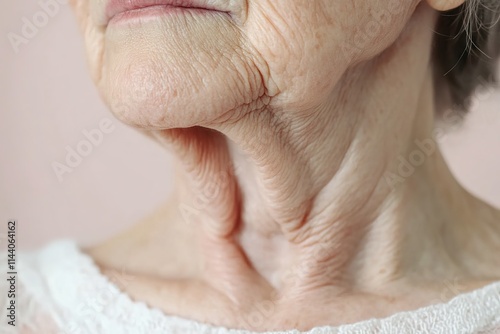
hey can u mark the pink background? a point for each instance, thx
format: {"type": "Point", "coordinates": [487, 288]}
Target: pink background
{"type": "Point", "coordinates": [47, 100]}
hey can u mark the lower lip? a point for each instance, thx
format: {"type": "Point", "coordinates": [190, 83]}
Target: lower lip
{"type": "Point", "coordinates": [151, 12]}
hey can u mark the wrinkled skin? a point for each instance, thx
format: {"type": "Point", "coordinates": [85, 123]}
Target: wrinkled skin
{"type": "Point", "coordinates": [196, 69]}
{"type": "Point", "coordinates": [289, 119]}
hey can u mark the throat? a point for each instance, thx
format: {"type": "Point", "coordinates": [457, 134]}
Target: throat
{"type": "Point", "coordinates": [275, 208]}
{"type": "Point", "coordinates": [356, 240]}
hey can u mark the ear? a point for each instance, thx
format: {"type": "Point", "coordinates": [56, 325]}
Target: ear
{"type": "Point", "coordinates": [444, 5]}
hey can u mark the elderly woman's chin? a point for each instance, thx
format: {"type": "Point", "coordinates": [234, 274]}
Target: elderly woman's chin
{"type": "Point", "coordinates": [177, 70]}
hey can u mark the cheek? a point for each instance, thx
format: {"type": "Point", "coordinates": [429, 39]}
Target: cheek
{"type": "Point", "coordinates": [309, 45]}
{"type": "Point", "coordinates": [377, 26]}
{"type": "Point", "coordinates": [296, 45]}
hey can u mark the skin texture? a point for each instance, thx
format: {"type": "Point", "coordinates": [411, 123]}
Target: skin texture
{"type": "Point", "coordinates": [290, 121]}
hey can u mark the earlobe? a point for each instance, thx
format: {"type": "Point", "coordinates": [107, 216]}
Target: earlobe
{"type": "Point", "coordinates": [444, 5]}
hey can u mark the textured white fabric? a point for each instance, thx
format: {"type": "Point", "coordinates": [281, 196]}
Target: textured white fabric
{"type": "Point", "coordinates": [61, 290]}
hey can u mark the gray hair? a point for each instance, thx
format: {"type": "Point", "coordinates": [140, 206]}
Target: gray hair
{"type": "Point", "coordinates": [466, 52]}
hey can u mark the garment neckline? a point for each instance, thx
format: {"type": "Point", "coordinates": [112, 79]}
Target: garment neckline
{"type": "Point", "coordinates": [70, 252]}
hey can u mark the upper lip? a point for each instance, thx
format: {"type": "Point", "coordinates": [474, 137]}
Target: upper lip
{"type": "Point", "coordinates": [115, 7]}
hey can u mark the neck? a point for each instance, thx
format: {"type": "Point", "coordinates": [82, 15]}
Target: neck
{"type": "Point", "coordinates": [350, 194]}
{"type": "Point", "coordinates": [361, 199]}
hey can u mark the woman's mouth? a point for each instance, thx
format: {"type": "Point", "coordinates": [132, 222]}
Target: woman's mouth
{"type": "Point", "coordinates": [125, 10]}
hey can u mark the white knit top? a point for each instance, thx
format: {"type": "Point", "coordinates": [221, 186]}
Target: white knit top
{"type": "Point", "coordinates": [61, 290]}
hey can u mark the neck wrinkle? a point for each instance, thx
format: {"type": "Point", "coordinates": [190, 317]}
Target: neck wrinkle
{"type": "Point", "coordinates": [334, 196]}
